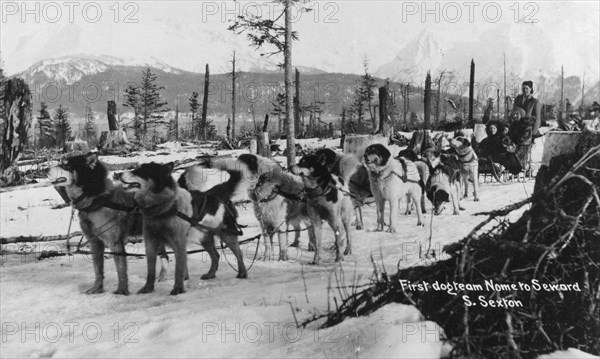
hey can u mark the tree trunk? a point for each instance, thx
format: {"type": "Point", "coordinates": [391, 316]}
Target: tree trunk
{"type": "Point", "coordinates": [297, 103]}
{"type": "Point", "coordinates": [264, 148]}
{"type": "Point", "coordinates": [384, 123]}
{"type": "Point", "coordinates": [287, 55]}
{"type": "Point", "coordinates": [471, 91]}
{"type": "Point", "coordinates": [233, 99]}
{"type": "Point", "coordinates": [15, 121]}
{"type": "Point", "coordinates": [111, 113]}
{"type": "Point", "coordinates": [176, 124]}
{"type": "Point", "coordinates": [228, 129]}
{"type": "Point", "coordinates": [438, 102]}
{"type": "Point", "coordinates": [113, 141]}
{"type": "Point", "coordinates": [427, 120]}
{"type": "Point", "coordinates": [205, 102]}
{"type": "Point", "coordinates": [343, 128]}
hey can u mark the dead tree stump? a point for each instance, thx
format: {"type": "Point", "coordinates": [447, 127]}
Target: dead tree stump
{"type": "Point", "coordinates": [76, 146]}
{"type": "Point", "coordinates": [15, 121]}
{"type": "Point", "coordinates": [114, 141]}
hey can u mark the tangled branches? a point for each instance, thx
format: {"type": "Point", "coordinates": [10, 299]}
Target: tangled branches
{"type": "Point", "coordinates": [547, 263]}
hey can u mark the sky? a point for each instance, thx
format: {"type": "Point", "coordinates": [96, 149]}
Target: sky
{"type": "Point", "coordinates": [335, 36]}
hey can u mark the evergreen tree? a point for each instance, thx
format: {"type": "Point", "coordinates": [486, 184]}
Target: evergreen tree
{"type": "Point", "coordinates": [47, 127]}
{"type": "Point", "coordinates": [368, 85]}
{"type": "Point", "coordinates": [194, 106]}
{"type": "Point", "coordinates": [150, 103]}
{"type": "Point", "coordinates": [146, 103]}
{"type": "Point", "coordinates": [132, 100]}
{"type": "Point", "coordinates": [363, 98]}
{"type": "Point", "coordinates": [89, 129]}
{"type": "Point", "coordinates": [62, 126]}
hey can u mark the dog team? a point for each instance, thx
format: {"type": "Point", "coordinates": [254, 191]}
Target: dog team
{"type": "Point", "coordinates": [323, 186]}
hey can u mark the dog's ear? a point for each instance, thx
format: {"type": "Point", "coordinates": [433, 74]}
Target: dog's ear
{"type": "Point", "coordinates": [170, 166]}
{"type": "Point", "coordinates": [442, 196]}
{"type": "Point", "coordinates": [437, 153]}
{"type": "Point", "coordinates": [465, 142]}
{"type": "Point", "coordinates": [91, 160]}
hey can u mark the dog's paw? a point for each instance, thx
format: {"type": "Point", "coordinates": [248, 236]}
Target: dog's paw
{"type": "Point", "coordinates": [145, 290]}
{"type": "Point", "coordinates": [161, 277]}
{"type": "Point", "coordinates": [456, 213]}
{"type": "Point", "coordinates": [392, 230]}
{"type": "Point", "coordinates": [121, 291]}
{"type": "Point", "coordinates": [476, 199]}
{"type": "Point", "coordinates": [207, 276]}
{"type": "Point", "coordinates": [283, 257]}
{"type": "Point", "coordinates": [339, 258]}
{"type": "Point", "coordinates": [315, 262]}
{"type": "Point", "coordinates": [358, 228]}
{"type": "Point", "coordinates": [177, 290]}
{"type": "Point", "coordinates": [461, 208]}
{"type": "Point", "coordinates": [95, 290]}
{"type": "Point", "coordinates": [420, 224]}
{"type": "Point", "coordinates": [348, 251]}
{"type": "Point", "coordinates": [242, 275]}
{"type": "Point", "coordinates": [295, 244]}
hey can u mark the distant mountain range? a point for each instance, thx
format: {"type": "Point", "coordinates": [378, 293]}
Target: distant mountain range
{"type": "Point", "coordinates": [78, 82]}
{"type": "Point", "coordinates": [529, 56]}
{"type": "Point", "coordinates": [82, 80]}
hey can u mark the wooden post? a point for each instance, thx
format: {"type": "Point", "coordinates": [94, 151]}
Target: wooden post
{"type": "Point", "coordinates": [427, 100]}
{"type": "Point", "coordinates": [471, 91]}
{"type": "Point", "coordinates": [205, 102]}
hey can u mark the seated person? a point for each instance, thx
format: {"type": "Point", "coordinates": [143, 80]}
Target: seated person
{"type": "Point", "coordinates": [491, 144]}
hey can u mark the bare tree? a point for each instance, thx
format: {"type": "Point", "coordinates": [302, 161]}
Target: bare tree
{"type": "Point", "coordinates": [264, 31]}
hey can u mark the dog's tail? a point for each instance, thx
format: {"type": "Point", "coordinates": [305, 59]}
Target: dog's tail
{"type": "Point", "coordinates": [349, 164]}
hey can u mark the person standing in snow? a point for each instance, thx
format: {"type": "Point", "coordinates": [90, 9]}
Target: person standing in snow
{"type": "Point", "coordinates": [530, 105]}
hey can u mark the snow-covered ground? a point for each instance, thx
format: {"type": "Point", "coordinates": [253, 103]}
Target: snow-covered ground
{"type": "Point", "coordinates": [45, 313]}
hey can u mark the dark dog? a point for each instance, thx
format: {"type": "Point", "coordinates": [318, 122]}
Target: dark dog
{"type": "Point", "coordinates": [105, 214]}
{"type": "Point", "coordinates": [359, 182]}
{"type": "Point", "coordinates": [327, 198]}
{"type": "Point", "coordinates": [444, 183]}
{"type": "Point", "coordinates": [164, 203]}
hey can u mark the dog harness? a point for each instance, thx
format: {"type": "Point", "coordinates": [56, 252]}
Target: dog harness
{"type": "Point", "coordinates": [467, 157]}
{"type": "Point", "coordinates": [99, 202]}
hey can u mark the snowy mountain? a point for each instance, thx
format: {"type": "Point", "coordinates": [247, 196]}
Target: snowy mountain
{"type": "Point", "coordinates": [80, 81]}
{"type": "Point", "coordinates": [530, 55]}
{"type": "Point", "coordinates": [70, 69]}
